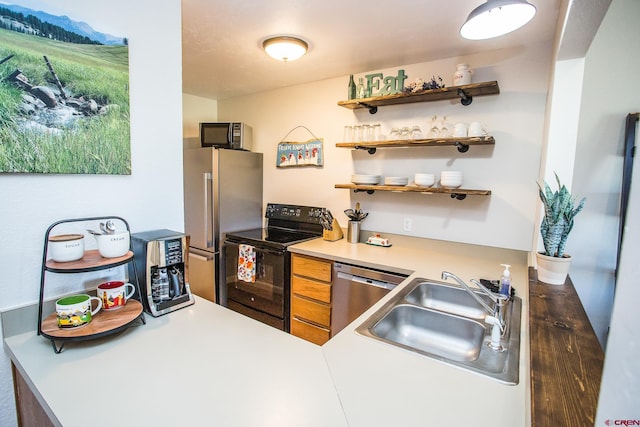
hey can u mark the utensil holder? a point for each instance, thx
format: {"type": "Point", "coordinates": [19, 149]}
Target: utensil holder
{"type": "Point", "coordinates": [353, 232]}
{"type": "Point", "coordinates": [334, 234]}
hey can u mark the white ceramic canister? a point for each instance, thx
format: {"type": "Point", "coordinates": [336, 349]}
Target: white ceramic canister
{"type": "Point", "coordinates": [66, 247]}
{"type": "Point", "coordinates": [462, 76]}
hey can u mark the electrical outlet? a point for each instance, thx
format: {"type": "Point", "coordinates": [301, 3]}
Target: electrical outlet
{"type": "Point", "coordinates": [407, 224]}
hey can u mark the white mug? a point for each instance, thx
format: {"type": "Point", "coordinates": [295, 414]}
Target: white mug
{"type": "Point", "coordinates": [460, 130]}
{"type": "Point", "coordinates": [477, 129]}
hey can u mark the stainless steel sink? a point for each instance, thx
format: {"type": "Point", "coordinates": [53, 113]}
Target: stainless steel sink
{"type": "Point", "coordinates": [448, 298]}
{"type": "Point", "coordinates": [442, 321]}
{"type": "Point", "coordinates": [430, 331]}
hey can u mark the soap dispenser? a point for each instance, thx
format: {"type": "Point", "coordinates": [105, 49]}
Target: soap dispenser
{"type": "Point", "coordinates": [505, 281]}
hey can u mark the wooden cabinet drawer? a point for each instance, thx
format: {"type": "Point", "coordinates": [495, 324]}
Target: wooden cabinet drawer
{"type": "Point", "coordinates": [309, 332]}
{"type": "Point", "coordinates": [310, 310]}
{"type": "Point", "coordinates": [315, 268]}
{"type": "Point", "coordinates": [311, 288]}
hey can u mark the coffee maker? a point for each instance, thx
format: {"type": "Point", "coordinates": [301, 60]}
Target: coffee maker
{"type": "Point", "coordinates": [161, 264]}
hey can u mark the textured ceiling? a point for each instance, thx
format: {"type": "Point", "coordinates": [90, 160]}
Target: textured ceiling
{"type": "Point", "coordinates": [221, 39]}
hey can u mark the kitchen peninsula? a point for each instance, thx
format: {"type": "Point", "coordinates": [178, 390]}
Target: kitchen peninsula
{"type": "Point", "coordinates": [207, 364]}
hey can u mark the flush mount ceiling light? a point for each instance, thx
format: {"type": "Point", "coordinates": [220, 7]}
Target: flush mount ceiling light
{"type": "Point", "coordinates": [497, 17]}
{"type": "Point", "coordinates": [285, 48]}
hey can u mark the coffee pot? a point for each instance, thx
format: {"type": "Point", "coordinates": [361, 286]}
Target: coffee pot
{"type": "Point", "coordinates": [162, 267]}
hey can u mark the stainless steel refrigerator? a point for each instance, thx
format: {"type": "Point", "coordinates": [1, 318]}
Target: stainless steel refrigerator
{"type": "Point", "coordinates": [222, 193]}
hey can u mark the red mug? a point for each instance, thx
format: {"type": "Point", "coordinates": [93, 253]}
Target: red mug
{"type": "Point", "coordinates": [114, 294]}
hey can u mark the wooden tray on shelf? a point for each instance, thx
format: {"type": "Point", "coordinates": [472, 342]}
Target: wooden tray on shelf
{"type": "Point", "coordinates": [91, 260]}
{"type": "Point", "coordinates": [103, 323]}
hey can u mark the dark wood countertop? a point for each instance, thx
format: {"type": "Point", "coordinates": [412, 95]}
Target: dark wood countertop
{"type": "Point", "coordinates": [566, 357]}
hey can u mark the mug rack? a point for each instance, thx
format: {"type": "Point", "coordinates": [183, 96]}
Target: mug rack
{"type": "Point", "coordinates": [104, 323]}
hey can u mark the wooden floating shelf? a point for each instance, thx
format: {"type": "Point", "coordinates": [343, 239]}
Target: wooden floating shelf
{"type": "Point", "coordinates": [465, 93]}
{"type": "Point", "coordinates": [432, 142]}
{"type": "Point", "coordinates": [459, 193]}
{"type": "Point", "coordinates": [90, 261]}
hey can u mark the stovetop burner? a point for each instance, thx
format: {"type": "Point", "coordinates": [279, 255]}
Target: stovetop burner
{"type": "Point", "coordinates": [271, 235]}
{"type": "Point", "coordinates": [286, 225]}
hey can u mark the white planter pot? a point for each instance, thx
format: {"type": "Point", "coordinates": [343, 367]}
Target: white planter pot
{"type": "Point", "coordinates": [552, 270]}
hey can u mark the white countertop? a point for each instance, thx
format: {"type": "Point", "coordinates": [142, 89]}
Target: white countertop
{"type": "Point", "coordinates": [381, 385]}
{"type": "Point", "coordinates": [201, 365]}
{"type": "Point", "coordinates": [205, 364]}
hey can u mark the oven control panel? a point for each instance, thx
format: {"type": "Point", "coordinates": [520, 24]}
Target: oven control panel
{"type": "Point", "coordinates": [308, 214]}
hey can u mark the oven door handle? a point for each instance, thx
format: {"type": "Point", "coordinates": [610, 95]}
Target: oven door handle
{"type": "Point", "coordinates": [258, 248]}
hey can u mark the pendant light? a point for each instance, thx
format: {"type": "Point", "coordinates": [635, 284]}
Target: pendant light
{"type": "Point", "coordinates": [497, 17]}
{"type": "Point", "coordinates": [285, 48]}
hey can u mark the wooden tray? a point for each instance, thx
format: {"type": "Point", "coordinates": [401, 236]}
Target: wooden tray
{"type": "Point", "coordinates": [90, 261]}
{"type": "Point", "coordinates": [103, 323]}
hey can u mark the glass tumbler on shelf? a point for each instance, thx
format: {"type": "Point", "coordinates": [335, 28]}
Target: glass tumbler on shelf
{"type": "Point", "coordinates": [348, 134]}
{"type": "Point", "coordinates": [416, 132]}
{"type": "Point", "coordinates": [366, 131]}
{"type": "Point", "coordinates": [434, 132]}
{"type": "Point", "coordinates": [377, 132]}
{"type": "Point", "coordinates": [444, 129]}
{"type": "Point", "coordinates": [357, 133]}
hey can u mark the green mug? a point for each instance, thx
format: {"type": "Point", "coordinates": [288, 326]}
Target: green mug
{"type": "Point", "coordinates": [75, 310]}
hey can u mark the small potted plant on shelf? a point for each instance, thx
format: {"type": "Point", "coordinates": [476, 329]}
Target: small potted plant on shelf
{"type": "Point", "coordinates": [559, 212]}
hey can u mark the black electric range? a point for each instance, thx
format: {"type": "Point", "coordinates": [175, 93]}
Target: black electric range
{"type": "Point", "coordinates": [272, 237]}
{"type": "Point", "coordinates": [264, 293]}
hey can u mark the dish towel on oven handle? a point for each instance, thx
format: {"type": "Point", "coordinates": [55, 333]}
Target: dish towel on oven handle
{"type": "Point", "coordinates": [246, 263]}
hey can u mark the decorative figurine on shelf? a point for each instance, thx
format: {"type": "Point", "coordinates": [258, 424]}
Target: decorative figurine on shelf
{"type": "Point", "coordinates": [414, 87]}
{"type": "Point", "coordinates": [419, 85]}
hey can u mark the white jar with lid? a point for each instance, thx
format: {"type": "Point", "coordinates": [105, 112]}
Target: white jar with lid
{"type": "Point", "coordinates": [462, 76]}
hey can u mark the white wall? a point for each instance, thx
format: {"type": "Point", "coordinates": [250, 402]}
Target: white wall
{"type": "Point", "coordinates": [150, 198]}
{"type": "Point", "coordinates": [611, 63]}
{"type": "Point", "coordinates": [620, 386]}
{"type": "Point", "coordinates": [509, 169]}
{"type": "Point", "coordinates": [196, 109]}
{"type": "Point", "coordinates": [610, 92]}
{"type": "Point", "coordinates": [563, 124]}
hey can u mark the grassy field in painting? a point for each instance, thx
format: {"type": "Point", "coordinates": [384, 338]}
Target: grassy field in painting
{"type": "Point", "coordinates": [97, 144]}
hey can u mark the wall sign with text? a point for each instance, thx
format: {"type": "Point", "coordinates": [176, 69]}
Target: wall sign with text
{"type": "Point", "coordinates": [307, 153]}
{"type": "Point", "coordinates": [380, 85]}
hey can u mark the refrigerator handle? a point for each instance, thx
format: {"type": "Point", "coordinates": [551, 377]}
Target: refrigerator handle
{"type": "Point", "coordinates": [207, 209]}
{"type": "Point", "coordinates": [201, 257]}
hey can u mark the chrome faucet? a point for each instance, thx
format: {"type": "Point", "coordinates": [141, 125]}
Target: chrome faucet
{"type": "Point", "coordinates": [496, 318]}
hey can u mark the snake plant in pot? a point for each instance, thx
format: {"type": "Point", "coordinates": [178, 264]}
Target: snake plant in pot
{"type": "Point", "coordinates": [559, 212]}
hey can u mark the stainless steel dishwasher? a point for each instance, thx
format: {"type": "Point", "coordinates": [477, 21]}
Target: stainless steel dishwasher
{"type": "Point", "coordinates": [355, 289]}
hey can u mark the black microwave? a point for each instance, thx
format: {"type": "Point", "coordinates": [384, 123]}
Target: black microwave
{"type": "Point", "coordinates": [236, 136]}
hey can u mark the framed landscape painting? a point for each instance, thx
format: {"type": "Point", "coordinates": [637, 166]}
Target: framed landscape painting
{"type": "Point", "coordinates": [64, 93]}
